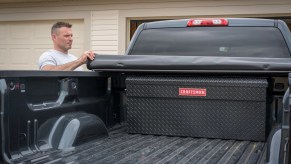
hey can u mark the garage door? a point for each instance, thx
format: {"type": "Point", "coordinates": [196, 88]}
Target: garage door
{"type": "Point", "coordinates": [21, 43]}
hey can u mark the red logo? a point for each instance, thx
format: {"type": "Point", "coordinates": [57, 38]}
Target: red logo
{"type": "Point", "coordinates": [192, 92]}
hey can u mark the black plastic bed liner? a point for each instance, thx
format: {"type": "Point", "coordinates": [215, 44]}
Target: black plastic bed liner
{"type": "Point", "coordinates": [122, 147]}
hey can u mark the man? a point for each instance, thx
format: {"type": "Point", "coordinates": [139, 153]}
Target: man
{"type": "Point", "coordinates": [59, 58]}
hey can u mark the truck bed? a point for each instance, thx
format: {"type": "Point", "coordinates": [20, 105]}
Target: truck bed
{"type": "Point", "coordinates": [121, 147]}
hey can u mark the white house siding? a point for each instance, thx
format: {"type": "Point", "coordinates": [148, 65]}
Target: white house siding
{"type": "Point", "coordinates": [106, 23]}
{"type": "Point", "coordinates": [104, 32]}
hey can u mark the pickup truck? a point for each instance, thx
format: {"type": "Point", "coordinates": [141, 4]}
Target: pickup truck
{"type": "Point", "coordinates": [186, 91]}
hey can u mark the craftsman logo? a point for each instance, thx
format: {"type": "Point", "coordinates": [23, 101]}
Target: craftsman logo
{"type": "Point", "coordinates": [192, 92]}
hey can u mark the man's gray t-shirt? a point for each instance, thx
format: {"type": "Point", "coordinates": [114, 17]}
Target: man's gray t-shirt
{"type": "Point", "coordinates": [54, 57]}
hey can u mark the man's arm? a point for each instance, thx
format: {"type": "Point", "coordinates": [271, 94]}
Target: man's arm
{"type": "Point", "coordinates": [71, 65]}
{"type": "Point", "coordinates": [65, 67]}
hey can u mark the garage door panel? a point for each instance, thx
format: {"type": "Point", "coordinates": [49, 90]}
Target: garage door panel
{"type": "Point", "coordinates": [18, 67]}
{"type": "Point", "coordinates": [4, 34]}
{"type": "Point", "coordinates": [20, 31]}
{"type": "Point", "coordinates": [42, 32]}
{"type": "Point", "coordinates": [22, 43]}
{"type": "Point", "coordinates": [78, 33]}
{"type": "Point", "coordinates": [21, 56]}
{"type": "Point", "coordinates": [3, 54]}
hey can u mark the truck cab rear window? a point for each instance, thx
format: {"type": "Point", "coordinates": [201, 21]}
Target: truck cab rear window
{"type": "Point", "coordinates": [212, 41]}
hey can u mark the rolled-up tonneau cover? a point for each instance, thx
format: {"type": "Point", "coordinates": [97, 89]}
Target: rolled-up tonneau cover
{"type": "Point", "coordinates": [133, 63]}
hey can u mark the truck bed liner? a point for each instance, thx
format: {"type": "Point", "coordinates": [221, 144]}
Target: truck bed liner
{"type": "Point", "coordinates": [122, 147]}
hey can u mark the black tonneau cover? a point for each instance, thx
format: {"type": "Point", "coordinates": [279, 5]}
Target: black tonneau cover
{"type": "Point", "coordinates": [150, 63]}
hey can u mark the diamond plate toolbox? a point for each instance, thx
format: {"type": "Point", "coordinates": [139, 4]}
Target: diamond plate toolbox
{"type": "Point", "coordinates": [211, 107]}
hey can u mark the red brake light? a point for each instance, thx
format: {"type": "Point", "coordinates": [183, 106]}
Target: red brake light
{"type": "Point", "coordinates": [207, 22]}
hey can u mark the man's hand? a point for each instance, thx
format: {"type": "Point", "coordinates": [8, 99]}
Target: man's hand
{"type": "Point", "coordinates": [85, 56]}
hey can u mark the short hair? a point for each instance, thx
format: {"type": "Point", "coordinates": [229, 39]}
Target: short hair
{"type": "Point", "coordinates": [59, 25]}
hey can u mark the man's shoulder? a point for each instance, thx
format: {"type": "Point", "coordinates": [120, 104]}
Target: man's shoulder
{"type": "Point", "coordinates": [47, 53]}
{"type": "Point", "coordinates": [46, 58]}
